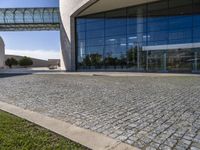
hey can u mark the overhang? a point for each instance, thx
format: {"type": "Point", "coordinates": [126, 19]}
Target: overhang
{"type": "Point", "coordinates": [105, 5]}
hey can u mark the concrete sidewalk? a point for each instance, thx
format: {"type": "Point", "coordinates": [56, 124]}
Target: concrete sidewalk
{"type": "Point", "coordinates": [82, 136]}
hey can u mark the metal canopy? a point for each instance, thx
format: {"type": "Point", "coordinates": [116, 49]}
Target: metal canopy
{"type": "Point", "coordinates": [29, 19]}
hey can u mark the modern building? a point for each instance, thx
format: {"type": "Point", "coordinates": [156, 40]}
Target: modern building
{"type": "Point", "coordinates": [118, 35]}
{"type": "Point", "coordinates": [2, 53]}
{"type": "Point", "coordinates": [130, 35]}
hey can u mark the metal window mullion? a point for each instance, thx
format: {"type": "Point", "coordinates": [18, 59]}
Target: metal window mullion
{"type": "Point", "coordinates": [43, 14]}
{"type": "Point", "coordinates": [24, 15]}
{"type": "Point", "coordinates": [14, 16]}
{"type": "Point", "coordinates": [34, 15]}
{"type": "Point", "coordinates": [31, 11]}
{"type": "Point", "coordinates": [53, 15]}
{"type": "Point", "coordinates": [4, 15]}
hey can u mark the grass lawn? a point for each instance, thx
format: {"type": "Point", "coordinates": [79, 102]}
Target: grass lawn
{"type": "Point", "coordinates": [19, 134]}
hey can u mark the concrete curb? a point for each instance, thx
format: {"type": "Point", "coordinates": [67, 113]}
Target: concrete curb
{"type": "Point", "coordinates": [85, 137]}
{"type": "Point", "coordinates": [108, 74]}
{"type": "Point", "coordinates": [123, 74]}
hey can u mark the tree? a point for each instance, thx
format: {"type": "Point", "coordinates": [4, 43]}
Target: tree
{"type": "Point", "coordinates": [95, 59]}
{"type": "Point", "coordinates": [132, 56]}
{"type": "Point", "coordinates": [11, 62]}
{"type": "Point", "coordinates": [25, 61]}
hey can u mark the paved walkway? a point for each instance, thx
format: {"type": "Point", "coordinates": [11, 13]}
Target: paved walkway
{"type": "Point", "coordinates": [147, 112]}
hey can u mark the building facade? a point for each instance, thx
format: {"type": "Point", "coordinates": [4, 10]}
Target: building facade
{"type": "Point", "coordinates": [128, 35]}
{"type": "Point", "coordinates": [2, 53]}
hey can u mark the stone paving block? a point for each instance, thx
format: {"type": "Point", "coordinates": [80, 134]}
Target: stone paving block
{"type": "Point", "coordinates": [146, 112]}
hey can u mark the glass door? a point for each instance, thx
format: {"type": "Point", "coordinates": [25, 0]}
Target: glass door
{"type": "Point", "coordinates": [180, 60]}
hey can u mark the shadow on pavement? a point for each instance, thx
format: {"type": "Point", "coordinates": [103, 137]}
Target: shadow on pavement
{"type": "Point", "coordinates": [8, 75]}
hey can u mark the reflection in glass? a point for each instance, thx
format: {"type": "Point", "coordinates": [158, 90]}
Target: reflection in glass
{"type": "Point", "coordinates": [158, 36]}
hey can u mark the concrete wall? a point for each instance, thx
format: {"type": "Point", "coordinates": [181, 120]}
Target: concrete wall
{"type": "Point", "coordinates": [36, 62]}
{"type": "Point", "coordinates": [2, 53]}
{"type": "Point", "coordinates": [69, 9]}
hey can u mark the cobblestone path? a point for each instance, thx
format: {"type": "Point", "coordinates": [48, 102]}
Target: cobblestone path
{"type": "Point", "coordinates": [146, 112]}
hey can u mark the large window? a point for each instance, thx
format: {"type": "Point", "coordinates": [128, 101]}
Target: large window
{"type": "Point", "coordinates": [157, 36]}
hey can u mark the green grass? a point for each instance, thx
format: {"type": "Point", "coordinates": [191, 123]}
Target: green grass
{"type": "Point", "coordinates": [19, 134]}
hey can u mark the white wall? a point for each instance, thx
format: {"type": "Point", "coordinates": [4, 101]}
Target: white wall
{"type": "Point", "coordinates": [68, 10]}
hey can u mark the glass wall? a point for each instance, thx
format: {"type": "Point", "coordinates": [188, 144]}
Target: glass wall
{"type": "Point", "coordinates": [159, 36]}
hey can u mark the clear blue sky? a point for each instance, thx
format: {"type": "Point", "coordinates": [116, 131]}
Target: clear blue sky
{"type": "Point", "coordinates": [40, 44]}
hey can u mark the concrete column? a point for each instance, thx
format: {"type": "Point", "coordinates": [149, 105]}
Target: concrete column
{"type": "Point", "coordinates": [2, 53]}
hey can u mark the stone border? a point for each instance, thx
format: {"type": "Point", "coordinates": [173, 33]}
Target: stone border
{"type": "Point", "coordinates": [108, 74]}
{"type": "Point", "coordinates": [82, 136]}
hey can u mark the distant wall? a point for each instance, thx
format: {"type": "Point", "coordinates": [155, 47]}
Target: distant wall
{"type": "Point", "coordinates": [36, 62]}
{"type": "Point", "coordinates": [2, 53]}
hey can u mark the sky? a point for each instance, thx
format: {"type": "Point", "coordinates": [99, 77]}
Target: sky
{"type": "Point", "coordinates": [38, 44]}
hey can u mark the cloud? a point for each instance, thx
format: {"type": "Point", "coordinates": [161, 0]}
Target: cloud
{"type": "Point", "coordinates": [40, 54]}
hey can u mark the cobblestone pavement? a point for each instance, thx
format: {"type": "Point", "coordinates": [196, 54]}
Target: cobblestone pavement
{"type": "Point", "coordinates": [146, 112]}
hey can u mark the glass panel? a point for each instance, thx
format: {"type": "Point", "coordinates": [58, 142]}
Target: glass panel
{"type": "Point", "coordinates": [131, 55]}
{"type": "Point", "coordinates": [28, 16]}
{"type": "Point", "coordinates": [157, 38]}
{"type": "Point", "coordinates": [136, 15]}
{"type": "Point", "coordinates": [95, 18]}
{"type": "Point", "coordinates": [119, 38]}
{"type": "Point", "coordinates": [198, 60]}
{"type": "Point", "coordinates": [93, 57]}
{"type": "Point", "coordinates": [116, 31]}
{"type": "Point", "coordinates": [180, 60]}
{"type": "Point", "coordinates": [80, 20]}
{"type": "Point", "coordinates": [81, 35]}
{"type": "Point", "coordinates": [1, 16]}
{"type": "Point", "coordinates": [56, 15]}
{"type": "Point", "coordinates": [94, 25]}
{"type": "Point", "coordinates": [196, 6]}
{"type": "Point", "coordinates": [196, 34]}
{"type": "Point", "coordinates": [19, 16]}
{"type": "Point", "coordinates": [158, 25]}
{"type": "Point", "coordinates": [95, 42]}
{"type": "Point", "coordinates": [196, 20]}
{"type": "Point", "coordinates": [136, 28]}
{"type": "Point", "coordinates": [80, 27]}
{"type": "Point", "coordinates": [111, 40]}
{"type": "Point", "coordinates": [9, 16]}
{"type": "Point", "coordinates": [48, 15]}
{"type": "Point", "coordinates": [156, 60]}
{"type": "Point", "coordinates": [178, 3]}
{"type": "Point", "coordinates": [95, 34]}
{"type": "Point", "coordinates": [178, 22]}
{"type": "Point", "coordinates": [180, 36]}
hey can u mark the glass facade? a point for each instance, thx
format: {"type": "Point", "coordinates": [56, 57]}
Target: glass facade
{"type": "Point", "coordinates": [160, 36]}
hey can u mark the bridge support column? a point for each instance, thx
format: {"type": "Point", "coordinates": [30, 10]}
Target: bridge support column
{"type": "Point", "coordinates": [2, 53]}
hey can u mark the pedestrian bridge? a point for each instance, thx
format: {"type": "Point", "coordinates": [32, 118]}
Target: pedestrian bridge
{"type": "Point", "coordinates": [28, 19]}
